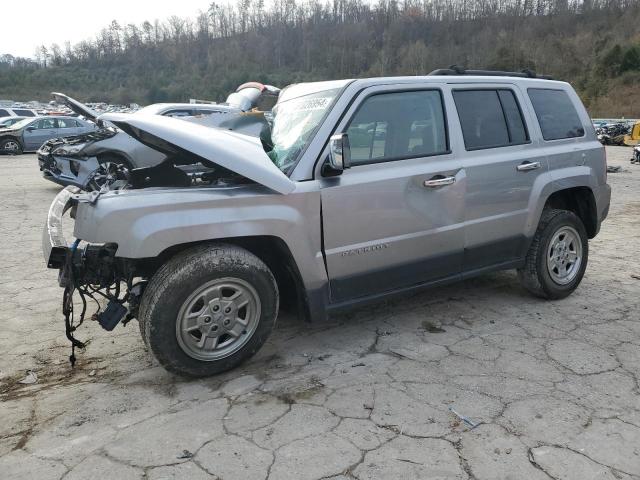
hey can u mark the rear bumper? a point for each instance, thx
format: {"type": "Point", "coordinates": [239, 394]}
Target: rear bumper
{"type": "Point", "coordinates": [603, 202]}
{"type": "Point", "coordinates": [54, 245]}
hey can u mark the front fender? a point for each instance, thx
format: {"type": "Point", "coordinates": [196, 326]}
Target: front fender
{"type": "Point", "coordinates": [137, 154]}
{"type": "Point", "coordinates": [144, 223]}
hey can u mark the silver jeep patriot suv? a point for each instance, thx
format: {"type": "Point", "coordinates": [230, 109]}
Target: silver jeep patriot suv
{"type": "Point", "coordinates": [355, 191]}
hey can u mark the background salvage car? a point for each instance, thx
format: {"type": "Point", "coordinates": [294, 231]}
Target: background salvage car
{"type": "Point", "coordinates": [29, 134]}
{"type": "Point", "coordinates": [364, 189]}
{"type": "Point", "coordinates": [88, 160]}
{"type": "Point", "coordinates": [17, 112]}
{"type": "Point", "coordinates": [6, 122]}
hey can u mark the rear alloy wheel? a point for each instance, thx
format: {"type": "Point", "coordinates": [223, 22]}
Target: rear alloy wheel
{"type": "Point", "coordinates": [10, 146]}
{"type": "Point", "coordinates": [208, 309]}
{"type": "Point", "coordinates": [557, 258]}
{"type": "Point", "coordinates": [564, 255]}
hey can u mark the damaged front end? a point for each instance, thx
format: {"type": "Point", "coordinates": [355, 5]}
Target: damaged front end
{"type": "Point", "coordinates": [92, 271]}
{"type": "Point", "coordinates": [63, 161]}
{"type": "Point", "coordinates": [119, 228]}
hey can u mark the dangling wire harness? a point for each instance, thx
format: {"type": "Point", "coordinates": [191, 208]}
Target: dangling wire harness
{"type": "Point", "coordinates": [67, 305]}
{"type": "Point", "coordinates": [110, 292]}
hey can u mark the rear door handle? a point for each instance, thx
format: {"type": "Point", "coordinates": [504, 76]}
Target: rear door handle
{"type": "Point", "coordinates": [439, 182]}
{"type": "Point", "coordinates": [526, 166]}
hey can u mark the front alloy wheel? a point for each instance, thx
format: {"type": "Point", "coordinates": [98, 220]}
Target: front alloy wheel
{"type": "Point", "coordinates": [208, 309]}
{"type": "Point", "coordinates": [218, 318]}
{"type": "Point", "coordinates": [11, 147]}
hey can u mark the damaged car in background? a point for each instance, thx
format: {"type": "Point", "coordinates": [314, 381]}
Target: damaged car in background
{"type": "Point", "coordinates": [28, 134]}
{"type": "Point", "coordinates": [88, 161]}
{"type": "Point", "coordinates": [359, 190]}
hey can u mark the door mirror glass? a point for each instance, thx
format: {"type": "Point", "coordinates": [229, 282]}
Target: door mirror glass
{"type": "Point", "coordinates": [339, 152]}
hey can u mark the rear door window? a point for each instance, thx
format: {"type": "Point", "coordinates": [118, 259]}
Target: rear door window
{"type": "Point", "coordinates": [66, 123]}
{"type": "Point", "coordinates": [513, 116]}
{"type": "Point", "coordinates": [45, 123]}
{"type": "Point", "coordinates": [3, 113]}
{"type": "Point", "coordinates": [556, 114]}
{"type": "Point", "coordinates": [396, 126]}
{"type": "Point", "coordinates": [490, 118]}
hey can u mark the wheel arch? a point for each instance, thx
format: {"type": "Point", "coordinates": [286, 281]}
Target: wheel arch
{"type": "Point", "coordinates": [105, 154]}
{"type": "Point", "coordinates": [12, 137]}
{"type": "Point", "coordinates": [273, 251]}
{"type": "Point", "coordinates": [579, 200]}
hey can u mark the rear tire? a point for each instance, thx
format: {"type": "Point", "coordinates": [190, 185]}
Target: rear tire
{"type": "Point", "coordinates": [208, 309]}
{"type": "Point", "coordinates": [10, 146]}
{"type": "Point", "coordinates": [558, 255]}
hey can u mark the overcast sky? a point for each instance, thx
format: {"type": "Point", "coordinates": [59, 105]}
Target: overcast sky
{"type": "Point", "coordinates": [33, 23]}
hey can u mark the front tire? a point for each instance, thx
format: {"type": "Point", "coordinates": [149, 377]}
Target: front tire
{"type": "Point", "coordinates": [110, 170]}
{"type": "Point", "coordinates": [10, 146]}
{"type": "Point", "coordinates": [208, 309]}
{"type": "Point", "coordinates": [558, 255]}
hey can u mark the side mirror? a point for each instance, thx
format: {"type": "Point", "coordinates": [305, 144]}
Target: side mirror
{"type": "Point", "coordinates": [30, 128]}
{"type": "Point", "coordinates": [339, 152]}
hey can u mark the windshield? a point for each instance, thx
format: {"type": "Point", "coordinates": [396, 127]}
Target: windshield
{"type": "Point", "coordinates": [21, 123]}
{"type": "Point", "coordinates": [293, 123]}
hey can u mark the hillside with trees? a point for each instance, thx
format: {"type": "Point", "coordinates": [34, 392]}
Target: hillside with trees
{"type": "Point", "coordinates": [595, 44]}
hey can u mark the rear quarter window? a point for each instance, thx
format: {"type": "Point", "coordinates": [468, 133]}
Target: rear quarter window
{"type": "Point", "coordinates": [66, 123]}
{"type": "Point", "coordinates": [556, 114]}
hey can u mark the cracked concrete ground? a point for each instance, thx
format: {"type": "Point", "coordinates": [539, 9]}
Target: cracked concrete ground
{"type": "Point", "coordinates": [554, 385]}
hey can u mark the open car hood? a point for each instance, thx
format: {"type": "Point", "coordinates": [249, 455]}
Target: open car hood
{"type": "Point", "coordinates": [176, 138]}
{"type": "Point", "coordinates": [76, 106]}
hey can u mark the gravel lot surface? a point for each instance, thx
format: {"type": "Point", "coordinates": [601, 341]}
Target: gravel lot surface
{"type": "Point", "coordinates": [554, 385]}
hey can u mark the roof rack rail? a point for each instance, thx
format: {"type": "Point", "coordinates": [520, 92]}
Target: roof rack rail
{"type": "Point", "coordinates": [456, 70]}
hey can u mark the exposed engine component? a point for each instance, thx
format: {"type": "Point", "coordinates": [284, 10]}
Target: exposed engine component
{"type": "Point", "coordinates": [170, 173]}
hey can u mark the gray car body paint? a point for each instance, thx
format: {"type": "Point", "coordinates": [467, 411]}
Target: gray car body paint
{"type": "Point", "coordinates": [484, 221]}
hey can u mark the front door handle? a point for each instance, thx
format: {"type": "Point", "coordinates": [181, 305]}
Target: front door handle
{"type": "Point", "coordinates": [439, 182]}
{"type": "Point", "coordinates": [526, 166]}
